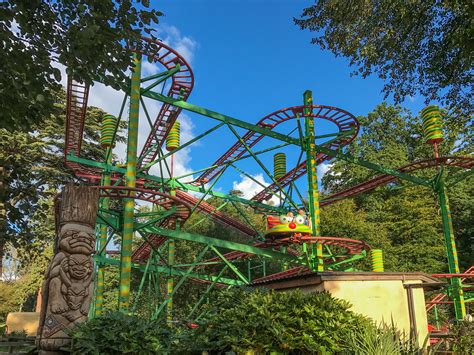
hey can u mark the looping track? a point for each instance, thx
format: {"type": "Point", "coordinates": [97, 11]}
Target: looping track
{"type": "Point", "coordinates": [181, 87]}
{"type": "Point", "coordinates": [182, 83]}
{"type": "Point", "coordinates": [345, 121]}
{"type": "Point", "coordinates": [351, 246]}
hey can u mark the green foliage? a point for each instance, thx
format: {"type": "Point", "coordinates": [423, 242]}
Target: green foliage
{"type": "Point", "coordinates": [382, 340]}
{"type": "Point", "coordinates": [463, 337]}
{"type": "Point", "coordinates": [35, 170]}
{"type": "Point", "coordinates": [415, 46]}
{"type": "Point", "coordinates": [400, 218]}
{"type": "Point", "coordinates": [8, 299]}
{"type": "Point", "coordinates": [116, 333]}
{"type": "Point", "coordinates": [265, 321]}
{"type": "Point", "coordinates": [87, 37]}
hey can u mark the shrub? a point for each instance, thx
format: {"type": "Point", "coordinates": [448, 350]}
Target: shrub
{"type": "Point", "coordinates": [463, 332]}
{"type": "Point", "coordinates": [383, 340]}
{"type": "Point", "coordinates": [266, 321]}
{"type": "Point", "coordinates": [116, 333]}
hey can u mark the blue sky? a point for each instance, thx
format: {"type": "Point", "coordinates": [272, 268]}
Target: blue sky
{"type": "Point", "coordinates": [249, 60]}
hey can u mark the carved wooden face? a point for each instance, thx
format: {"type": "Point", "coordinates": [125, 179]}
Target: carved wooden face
{"type": "Point", "coordinates": [75, 295]}
{"type": "Point", "coordinates": [79, 266]}
{"type": "Point", "coordinates": [77, 239]}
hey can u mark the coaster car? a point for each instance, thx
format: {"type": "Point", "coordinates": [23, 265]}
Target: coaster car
{"type": "Point", "coordinates": [286, 226]}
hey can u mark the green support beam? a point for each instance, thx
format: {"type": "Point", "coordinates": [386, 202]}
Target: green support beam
{"type": "Point", "coordinates": [174, 289]}
{"type": "Point", "coordinates": [198, 238]}
{"type": "Point", "coordinates": [220, 117]}
{"type": "Point", "coordinates": [230, 265]}
{"type": "Point", "coordinates": [104, 204]}
{"type": "Point", "coordinates": [173, 271]}
{"type": "Point", "coordinates": [130, 179]}
{"type": "Point", "coordinates": [351, 159]}
{"type": "Point", "coordinates": [312, 175]}
{"type": "Point", "coordinates": [170, 182]}
{"type": "Point", "coordinates": [450, 243]}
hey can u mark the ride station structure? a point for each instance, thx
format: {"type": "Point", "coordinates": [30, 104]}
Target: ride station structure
{"type": "Point", "coordinates": [293, 243]}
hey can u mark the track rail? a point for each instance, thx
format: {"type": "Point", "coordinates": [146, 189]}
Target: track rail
{"type": "Point", "coordinates": [344, 120]}
{"type": "Point", "coordinates": [76, 107]}
{"type": "Point", "coordinates": [181, 87]}
{"type": "Point", "coordinates": [300, 270]}
{"type": "Point", "coordinates": [439, 298]}
{"type": "Point", "coordinates": [462, 162]}
{"type": "Point", "coordinates": [182, 83]}
{"type": "Point", "coordinates": [215, 214]}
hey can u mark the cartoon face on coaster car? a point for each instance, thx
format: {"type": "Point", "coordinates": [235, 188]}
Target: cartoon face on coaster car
{"type": "Point", "coordinates": [286, 226]}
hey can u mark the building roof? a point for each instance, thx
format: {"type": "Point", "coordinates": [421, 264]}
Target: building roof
{"type": "Point", "coordinates": [306, 278]}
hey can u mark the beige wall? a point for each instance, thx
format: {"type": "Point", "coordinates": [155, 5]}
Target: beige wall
{"type": "Point", "coordinates": [23, 321]}
{"type": "Point", "coordinates": [381, 300]}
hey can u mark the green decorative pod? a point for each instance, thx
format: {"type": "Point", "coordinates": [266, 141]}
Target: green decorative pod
{"type": "Point", "coordinates": [279, 165]}
{"type": "Point", "coordinates": [107, 130]}
{"type": "Point", "coordinates": [432, 124]}
{"type": "Point", "coordinates": [172, 141]}
{"type": "Point", "coordinates": [377, 260]}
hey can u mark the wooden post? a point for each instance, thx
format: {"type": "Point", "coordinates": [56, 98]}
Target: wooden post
{"type": "Point", "coordinates": [68, 287]}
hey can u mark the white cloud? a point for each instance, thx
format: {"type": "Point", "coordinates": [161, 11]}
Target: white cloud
{"type": "Point", "coordinates": [184, 45]}
{"type": "Point", "coordinates": [250, 188]}
{"type": "Point", "coordinates": [323, 169]}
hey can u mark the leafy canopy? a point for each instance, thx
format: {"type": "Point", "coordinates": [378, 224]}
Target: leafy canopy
{"type": "Point", "coordinates": [400, 218]}
{"type": "Point", "coordinates": [421, 46]}
{"type": "Point", "coordinates": [89, 37]}
{"type": "Point", "coordinates": [34, 170]}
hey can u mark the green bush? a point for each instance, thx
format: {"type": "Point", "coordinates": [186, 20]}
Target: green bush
{"type": "Point", "coordinates": [463, 342]}
{"type": "Point", "coordinates": [462, 338]}
{"type": "Point", "coordinates": [116, 333]}
{"type": "Point", "coordinates": [383, 340]}
{"type": "Point", "coordinates": [264, 321]}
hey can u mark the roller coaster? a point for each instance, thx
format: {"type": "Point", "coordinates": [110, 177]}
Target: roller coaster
{"type": "Point", "coordinates": [221, 262]}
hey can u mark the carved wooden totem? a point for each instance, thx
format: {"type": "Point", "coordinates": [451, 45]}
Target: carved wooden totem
{"type": "Point", "coordinates": [68, 286]}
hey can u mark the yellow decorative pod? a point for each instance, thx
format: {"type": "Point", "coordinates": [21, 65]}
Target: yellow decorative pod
{"type": "Point", "coordinates": [432, 124]}
{"type": "Point", "coordinates": [107, 130]}
{"type": "Point", "coordinates": [377, 260]}
{"type": "Point", "coordinates": [279, 165]}
{"type": "Point", "coordinates": [172, 141]}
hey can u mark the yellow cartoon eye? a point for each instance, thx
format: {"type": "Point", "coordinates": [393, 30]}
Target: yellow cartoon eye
{"type": "Point", "coordinates": [299, 219]}
{"type": "Point", "coordinates": [285, 219]}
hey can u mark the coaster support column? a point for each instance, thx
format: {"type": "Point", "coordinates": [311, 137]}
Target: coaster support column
{"type": "Point", "coordinates": [313, 191]}
{"type": "Point", "coordinates": [450, 243]}
{"type": "Point", "coordinates": [130, 179]}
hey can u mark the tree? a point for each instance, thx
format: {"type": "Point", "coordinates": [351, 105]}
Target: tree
{"type": "Point", "coordinates": [90, 38]}
{"type": "Point", "coordinates": [35, 170]}
{"type": "Point", "coordinates": [401, 218]}
{"type": "Point", "coordinates": [420, 47]}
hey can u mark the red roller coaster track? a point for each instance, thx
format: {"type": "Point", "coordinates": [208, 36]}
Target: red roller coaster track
{"type": "Point", "coordinates": [462, 162]}
{"type": "Point", "coordinates": [344, 120]}
{"type": "Point", "coordinates": [182, 83]}
{"type": "Point", "coordinates": [439, 298]}
{"type": "Point", "coordinates": [181, 87]}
